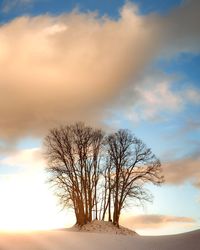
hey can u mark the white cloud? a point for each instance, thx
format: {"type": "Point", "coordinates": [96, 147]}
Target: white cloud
{"type": "Point", "coordinates": [193, 95]}
{"type": "Point", "coordinates": [53, 29]}
{"type": "Point", "coordinates": [158, 98]}
{"type": "Point", "coordinates": [154, 98]}
{"type": "Point", "coordinates": [28, 159]}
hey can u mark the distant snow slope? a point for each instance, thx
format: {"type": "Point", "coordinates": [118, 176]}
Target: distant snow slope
{"type": "Point", "coordinates": [65, 240]}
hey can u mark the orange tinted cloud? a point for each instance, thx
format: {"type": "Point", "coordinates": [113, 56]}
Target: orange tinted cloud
{"type": "Point", "coordinates": [56, 69]}
{"type": "Point", "coordinates": [154, 221]}
{"type": "Point", "coordinates": [179, 171]}
{"type": "Point", "coordinates": [73, 66]}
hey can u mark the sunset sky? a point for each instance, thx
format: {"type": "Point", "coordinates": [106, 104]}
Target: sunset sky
{"type": "Point", "coordinates": [110, 63]}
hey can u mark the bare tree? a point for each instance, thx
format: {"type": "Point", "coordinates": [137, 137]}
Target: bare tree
{"type": "Point", "coordinates": [98, 175]}
{"type": "Point", "coordinates": [73, 154]}
{"type": "Point", "coordinates": [108, 188]}
{"type": "Point", "coordinates": [133, 165]}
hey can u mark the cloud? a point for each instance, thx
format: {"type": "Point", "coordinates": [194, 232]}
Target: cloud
{"type": "Point", "coordinates": [155, 96]}
{"type": "Point", "coordinates": [180, 28]}
{"type": "Point", "coordinates": [193, 95]}
{"type": "Point", "coordinates": [8, 5]}
{"type": "Point", "coordinates": [155, 221]}
{"type": "Point", "coordinates": [66, 68]}
{"type": "Point", "coordinates": [72, 67]}
{"type": "Point", "coordinates": [186, 169]}
{"type": "Point", "coordinates": [28, 159]}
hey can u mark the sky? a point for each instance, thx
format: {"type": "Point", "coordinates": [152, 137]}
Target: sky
{"type": "Point", "coordinates": [113, 64]}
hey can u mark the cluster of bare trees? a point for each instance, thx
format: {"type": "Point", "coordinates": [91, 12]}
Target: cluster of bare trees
{"type": "Point", "coordinates": [96, 174]}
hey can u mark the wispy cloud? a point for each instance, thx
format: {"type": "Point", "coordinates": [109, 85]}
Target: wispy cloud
{"type": "Point", "coordinates": [193, 95]}
{"type": "Point", "coordinates": [155, 221]}
{"type": "Point", "coordinates": [26, 159]}
{"type": "Point", "coordinates": [155, 98]}
{"type": "Point", "coordinates": [9, 5]}
{"type": "Point", "coordinates": [186, 169]}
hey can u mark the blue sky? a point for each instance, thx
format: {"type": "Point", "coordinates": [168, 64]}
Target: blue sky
{"type": "Point", "coordinates": [147, 81]}
{"type": "Point", "coordinates": [11, 9]}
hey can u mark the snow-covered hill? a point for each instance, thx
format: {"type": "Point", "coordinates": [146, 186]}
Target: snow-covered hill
{"type": "Point", "coordinates": [97, 226]}
{"type": "Point", "coordinates": [66, 240]}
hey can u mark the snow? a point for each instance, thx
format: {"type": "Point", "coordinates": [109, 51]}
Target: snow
{"type": "Point", "coordinates": [97, 226]}
{"type": "Point", "coordinates": [68, 240]}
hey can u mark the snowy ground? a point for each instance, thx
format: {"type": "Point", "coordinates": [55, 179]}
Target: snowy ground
{"type": "Point", "coordinates": [68, 240]}
{"type": "Point", "coordinates": [97, 226]}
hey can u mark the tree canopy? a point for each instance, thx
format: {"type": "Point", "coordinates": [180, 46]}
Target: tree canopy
{"type": "Point", "coordinates": [96, 173]}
